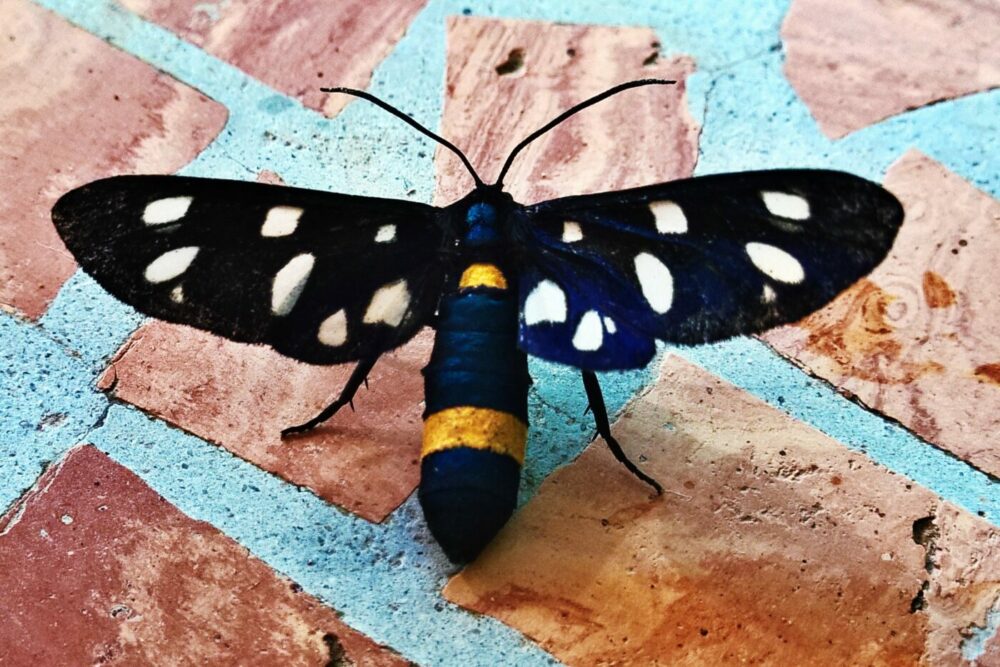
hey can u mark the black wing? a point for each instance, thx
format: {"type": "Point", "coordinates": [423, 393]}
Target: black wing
{"type": "Point", "coordinates": [693, 261]}
{"type": "Point", "coordinates": [323, 278]}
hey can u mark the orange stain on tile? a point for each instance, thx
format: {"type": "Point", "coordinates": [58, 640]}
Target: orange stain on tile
{"type": "Point", "coordinates": [507, 78]}
{"type": "Point", "coordinates": [293, 46]}
{"type": "Point", "coordinates": [857, 335]}
{"type": "Point", "coordinates": [75, 109]}
{"type": "Point", "coordinates": [989, 372]}
{"type": "Point", "coordinates": [130, 580]}
{"type": "Point", "coordinates": [772, 545]}
{"type": "Point", "coordinates": [937, 291]}
{"type": "Point", "coordinates": [906, 339]}
{"type": "Point", "coordinates": [857, 62]}
{"type": "Point", "coordinates": [241, 396]}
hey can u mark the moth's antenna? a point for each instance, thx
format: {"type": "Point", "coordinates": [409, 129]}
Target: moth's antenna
{"type": "Point", "coordinates": [572, 110]}
{"type": "Point", "coordinates": [420, 128]}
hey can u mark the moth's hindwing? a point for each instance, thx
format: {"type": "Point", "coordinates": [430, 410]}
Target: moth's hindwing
{"type": "Point", "coordinates": [321, 277]}
{"type": "Point", "coordinates": [693, 261]}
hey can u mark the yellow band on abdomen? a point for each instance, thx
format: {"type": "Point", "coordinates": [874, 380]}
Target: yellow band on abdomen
{"type": "Point", "coordinates": [478, 428]}
{"type": "Point", "coordinates": [482, 275]}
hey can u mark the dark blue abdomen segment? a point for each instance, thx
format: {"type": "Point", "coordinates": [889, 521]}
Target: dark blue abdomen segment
{"type": "Point", "coordinates": [467, 496]}
{"type": "Point", "coordinates": [476, 390]}
{"type": "Point", "coordinates": [476, 360]}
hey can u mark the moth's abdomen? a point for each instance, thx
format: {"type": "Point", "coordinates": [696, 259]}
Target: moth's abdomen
{"type": "Point", "coordinates": [476, 421]}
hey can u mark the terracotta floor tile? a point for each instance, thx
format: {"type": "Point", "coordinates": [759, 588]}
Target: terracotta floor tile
{"type": "Point", "coordinates": [96, 568]}
{"type": "Point", "coordinates": [772, 545]}
{"type": "Point", "coordinates": [295, 47]}
{"type": "Point", "coordinates": [241, 396]}
{"type": "Point", "coordinates": [919, 339]}
{"type": "Point", "coordinates": [507, 78]}
{"type": "Point", "coordinates": [857, 62]}
{"type": "Point", "coordinates": [74, 109]}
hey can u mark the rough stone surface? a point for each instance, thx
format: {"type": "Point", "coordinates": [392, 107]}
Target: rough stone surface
{"type": "Point", "coordinates": [295, 47]}
{"type": "Point", "coordinates": [241, 396]}
{"type": "Point", "coordinates": [507, 78]}
{"type": "Point", "coordinates": [772, 544]}
{"type": "Point", "coordinates": [96, 568]}
{"type": "Point", "coordinates": [52, 78]}
{"type": "Point", "coordinates": [857, 62]}
{"type": "Point", "coordinates": [919, 338]}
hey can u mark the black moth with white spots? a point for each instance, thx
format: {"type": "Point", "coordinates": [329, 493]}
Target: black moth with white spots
{"type": "Point", "coordinates": [328, 278]}
{"type": "Point", "coordinates": [320, 277]}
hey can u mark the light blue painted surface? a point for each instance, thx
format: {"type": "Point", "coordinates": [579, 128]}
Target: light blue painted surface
{"type": "Point", "coordinates": [974, 646]}
{"type": "Point", "coordinates": [386, 578]}
{"type": "Point", "coordinates": [47, 403]}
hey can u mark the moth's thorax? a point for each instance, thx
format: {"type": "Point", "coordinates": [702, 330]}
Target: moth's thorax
{"type": "Point", "coordinates": [484, 211]}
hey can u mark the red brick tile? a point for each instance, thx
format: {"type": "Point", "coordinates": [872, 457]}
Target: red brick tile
{"type": "Point", "coordinates": [241, 396]}
{"type": "Point", "coordinates": [74, 109]}
{"type": "Point", "coordinates": [857, 62]}
{"type": "Point", "coordinates": [919, 339]}
{"type": "Point", "coordinates": [96, 568]}
{"type": "Point", "coordinates": [295, 47]}
{"type": "Point", "coordinates": [644, 136]}
{"type": "Point", "coordinates": [964, 563]}
{"type": "Point", "coordinates": [771, 545]}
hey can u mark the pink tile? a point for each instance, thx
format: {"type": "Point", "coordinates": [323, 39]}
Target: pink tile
{"type": "Point", "coordinates": [294, 47]}
{"type": "Point", "coordinates": [507, 78]}
{"type": "Point", "coordinates": [96, 568]}
{"type": "Point", "coordinates": [919, 339]}
{"type": "Point", "coordinates": [74, 109]}
{"type": "Point", "coordinates": [772, 545]}
{"type": "Point", "coordinates": [241, 396]}
{"type": "Point", "coordinates": [857, 62]}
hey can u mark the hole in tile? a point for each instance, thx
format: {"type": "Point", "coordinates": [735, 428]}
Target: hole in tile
{"type": "Point", "coordinates": [513, 64]}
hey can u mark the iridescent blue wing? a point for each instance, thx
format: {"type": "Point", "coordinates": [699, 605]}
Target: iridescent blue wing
{"type": "Point", "coordinates": [692, 261]}
{"type": "Point", "coordinates": [321, 277]}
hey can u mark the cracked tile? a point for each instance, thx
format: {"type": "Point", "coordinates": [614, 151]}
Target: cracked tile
{"type": "Point", "coordinates": [97, 568]}
{"type": "Point", "coordinates": [771, 544]}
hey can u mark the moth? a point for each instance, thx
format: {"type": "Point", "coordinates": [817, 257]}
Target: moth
{"type": "Point", "coordinates": [590, 281]}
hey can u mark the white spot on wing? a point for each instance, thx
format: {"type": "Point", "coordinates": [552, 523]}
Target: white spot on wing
{"type": "Point", "coordinates": [775, 263]}
{"type": "Point", "coordinates": [333, 330]}
{"type": "Point", "coordinates": [289, 283]}
{"type": "Point", "coordinates": [589, 334]}
{"type": "Point", "coordinates": [162, 211]}
{"type": "Point", "coordinates": [670, 219]}
{"type": "Point", "coordinates": [388, 304]}
{"type": "Point", "coordinates": [281, 221]}
{"type": "Point", "coordinates": [545, 303]}
{"type": "Point", "coordinates": [768, 295]}
{"type": "Point", "coordinates": [609, 324]}
{"type": "Point", "coordinates": [385, 234]}
{"type": "Point", "coordinates": [785, 205]}
{"type": "Point", "coordinates": [572, 232]}
{"type": "Point", "coordinates": [656, 281]}
{"type": "Point", "coordinates": [177, 294]}
{"type": "Point", "coordinates": [170, 264]}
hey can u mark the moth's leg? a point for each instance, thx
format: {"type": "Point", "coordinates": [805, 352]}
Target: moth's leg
{"type": "Point", "coordinates": [358, 377]}
{"type": "Point", "coordinates": [596, 400]}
